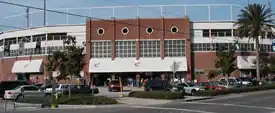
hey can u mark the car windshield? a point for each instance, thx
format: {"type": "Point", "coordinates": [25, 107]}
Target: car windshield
{"type": "Point", "coordinates": [213, 83]}
{"type": "Point", "coordinates": [57, 86]}
{"type": "Point", "coordinates": [231, 80]}
{"type": "Point", "coordinates": [191, 84]}
{"type": "Point", "coordinates": [221, 83]}
{"type": "Point", "coordinates": [238, 79]}
{"type": "Point", "coordinates": [245, 79]}
{"type": "Point", "coordinates": [16, 88]}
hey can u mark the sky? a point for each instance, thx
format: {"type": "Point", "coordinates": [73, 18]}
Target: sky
{"type": "Point", "coordinates": [219, 12]}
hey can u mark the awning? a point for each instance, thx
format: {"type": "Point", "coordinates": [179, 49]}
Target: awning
{"type": "Point", "coordinates": [27, 66]}
{"type": "Point", "coordinates": [246, 62]}
{"type": "Point", "coordinates": [133, 65]}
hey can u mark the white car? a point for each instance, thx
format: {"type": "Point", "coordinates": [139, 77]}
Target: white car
{"type": "Point", "coordinates": [190, 88]}
{"type": "Point", "coordinates": [60, 88]}
{"type": "Point", "coordinates": [24, 90]}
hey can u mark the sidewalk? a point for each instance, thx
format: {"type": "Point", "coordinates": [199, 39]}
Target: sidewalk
{"type": "Point", "coordinates": [141, 101]}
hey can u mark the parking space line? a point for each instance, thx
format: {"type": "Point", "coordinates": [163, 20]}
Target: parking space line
{"type": "Point", "coordinates": [174, 109]}
{"type": "Point", "coordinates": [233, 105]}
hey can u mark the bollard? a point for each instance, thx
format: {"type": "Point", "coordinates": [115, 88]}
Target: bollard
{"type": "Point", "coordinates": [5, 106]}
{"type": "Point", "coordinates": [14, 104]}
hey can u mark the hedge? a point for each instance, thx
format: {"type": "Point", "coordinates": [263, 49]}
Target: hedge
{"type": "Point", "coordinates": [234, 90]}
{"type": "Point", "coordinates": [76, 99]}
{"type": "Point", "coordinates": [157, 95]}
{"type": "Point", "coordinates": [86, 100]}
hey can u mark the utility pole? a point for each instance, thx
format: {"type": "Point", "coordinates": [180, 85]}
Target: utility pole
{"type": "Point", "coordinates": [45, 12]}
{"type": "Point", "coordinates": [27, 16]}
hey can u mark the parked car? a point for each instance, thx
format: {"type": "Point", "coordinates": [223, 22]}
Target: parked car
{"type": "Point", "coordinates": [190, 88]}
{"type": "Point", "coordinates": [8, 85]}
{"type": "Point", "coordinates": [59, 89]}
{"type": "Point", "coordinates": [161, 85]}
{"type": "Point", "coordinates": [23, 91]}
{"type": "Point", "coordinates": [114, 85]}
{"type": "Point", "coordinates": [247, 81]}
{"type": "Point", "coordinates": [212, 85]}
{"type": "Point", "coordinates": [83, 89]}
{"type": "Point", "coordinates": [232, 81]}
{"type": "Point", "coordinates": [39, 85]}
{"type": "Point", "coordinates": [202, 84]}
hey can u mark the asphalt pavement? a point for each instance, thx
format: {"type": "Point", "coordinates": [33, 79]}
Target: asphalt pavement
{"type": "Point", "coordinates": [238, 103]}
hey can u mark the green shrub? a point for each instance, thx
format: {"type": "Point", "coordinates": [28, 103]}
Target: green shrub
{"type": "Point", "coordinates": [77, 99]}
{"type": "Point", "coordinates": [34, 99]}
{"type": "Point", "coordinates": [157, 95]}
{"type": "Point", "coordinates": [234, 90]}
{"type": "Point", "coordinates": [81, 99]}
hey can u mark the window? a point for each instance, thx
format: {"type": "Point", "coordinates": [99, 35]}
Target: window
{"type": "Point", "coordinates": [51, 49]}
{"type": "Point", "coordinates": [24, 39]}
{"type": "Point", "coordinates": [100, 31]}
{"type": "Point", "coordinates": [247, 47]}
{"type": "Point", "coordinates": [221, 32]}
{"type": "Point", "coordinates": [205, 33]}
{"type": "Point", "coordinates": [30, 88]}
{"type": "Point", "coordinates": [41, 37]}
{"type": "Point", "coordinates": [150, 48]}
{"type": "Point", "coordinates": [10, 41]}
{"type": "Point", "coordinates": [174, 29]}
{"type": "Point", "coordinates": [149, 30]}
{"type": "Point", "coordinates": [57, 36]}
{"type": "Point", "coordinates": [183, 84]}
{"type": "Point", "coordinates": [124, 30]}
{"type": "Point", "coordinates": [174, 48]}
{"type": "Point", "coordinates": [265, 48]}
{"type": "Point", "coordinates": [1, 42]}
{"type": "Point", "coordinates": [125, 48]}
{"type": "Point", "coordinates": [223, 80]}
{"type": "Point", "coordinates": [101, 49]}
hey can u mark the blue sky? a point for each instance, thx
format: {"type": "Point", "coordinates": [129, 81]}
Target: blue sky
{"type": "Point", "coordinates": [195, 12]}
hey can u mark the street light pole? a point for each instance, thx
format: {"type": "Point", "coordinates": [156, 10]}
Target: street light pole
{"type": "Point", "coordinates": [45, 12]}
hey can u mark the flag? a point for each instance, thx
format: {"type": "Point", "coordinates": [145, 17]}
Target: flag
{"type": "Point", "coordinates": [211, 44]}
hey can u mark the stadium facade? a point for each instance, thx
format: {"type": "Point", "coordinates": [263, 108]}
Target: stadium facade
{"type": "Point", "coordinates": [136, 48]}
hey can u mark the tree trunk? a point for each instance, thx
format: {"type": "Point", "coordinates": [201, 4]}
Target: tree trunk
{"type": "Point", "coordinates": [70, 79]}
{"type": "Point", "coordinates": [257, 58]}
{"type": "Point", "coordinates": [53, 82]}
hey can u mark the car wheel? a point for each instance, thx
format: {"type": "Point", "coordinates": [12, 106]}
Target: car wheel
{"type": "Point", "coordinates": [167, 90]}
{"type": "Point", "coordinates": [148, 90]}
{"type": "Point", "coordinates": [19, 97]}
{"type": "Point", "coordinates": [193, 92]}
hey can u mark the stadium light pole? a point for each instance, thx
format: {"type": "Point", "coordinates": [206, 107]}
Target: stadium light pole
{"type": "Point", "coordinates": [45, 12]}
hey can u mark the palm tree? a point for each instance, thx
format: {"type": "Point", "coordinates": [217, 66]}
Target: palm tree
{"type": "Point", "coordinates": [254, 21]}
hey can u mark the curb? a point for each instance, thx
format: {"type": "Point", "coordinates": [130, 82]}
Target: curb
{"type": "Point", "coordinates": [25, 105]}
{"type": "Point", "coordinates": [197, 99]}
